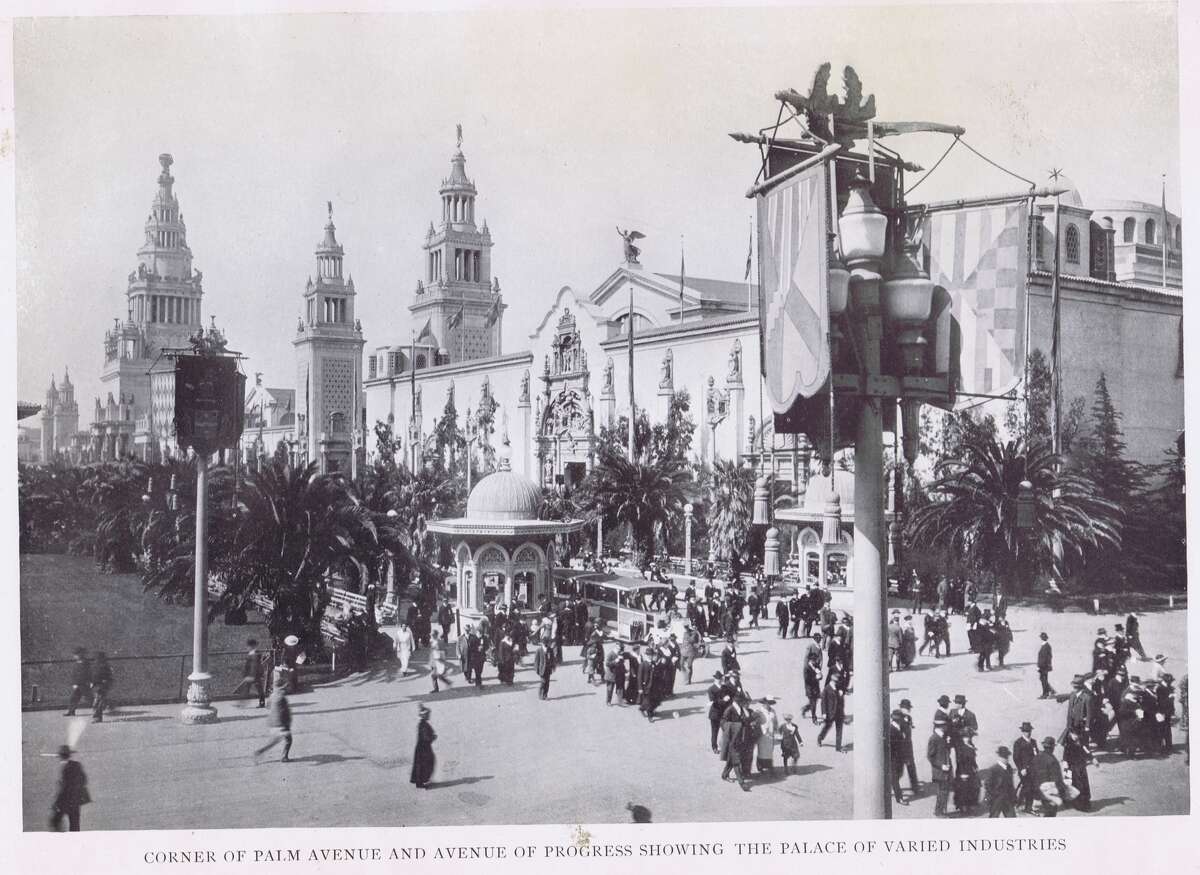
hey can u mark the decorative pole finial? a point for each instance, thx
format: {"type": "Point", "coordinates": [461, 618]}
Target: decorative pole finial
{"type": "Point", "coordinates": [329, 207]}
{"type": "Point", "coordinates": [459, 130]}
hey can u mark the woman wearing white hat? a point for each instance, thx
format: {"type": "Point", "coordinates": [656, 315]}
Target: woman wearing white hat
{"type": "Point", "coordinates": [768, 726]}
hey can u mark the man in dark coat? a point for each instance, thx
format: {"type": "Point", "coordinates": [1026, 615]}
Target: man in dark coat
{"type": "Point", "coordinates": [279, 718]}
{"type": "Point", "coordinates": [735, 730]}
{"type": "Point", "coordinates": [896, 744]}
{"type": "Point", "coordinates": [475, 657]}
{"type": "Point", "coordinates": [999, 792]}
{"type": "Point", "coordinates": [910, 763]}
{"type": "Point", "coordinates": [633, 660]}
{"type": "Point", "coordinates": [1024, 751]}
{"type": "Point", "coordinates": [729, 660]}
{"type": "Point", "coordinates": [782, 615]}
{"type": "Point", "coordinates": [937, 751]}
{"type": "Point", "coordinates": [1045, 769]}
{"type": "Point", "coordinates": [719, 698]}
{"type": "Point", "coordinates": [1045, 664]}
{"type": "Point", "coordinates": [649, 683]}
{"type": "Point", "coordinates": [72, 793]}
{"type": "Point", "coordinates": [1080, 707]}
{"type": "Point", "coordinates": [544, 667]}
{"type": "Point", "coordinates": [1101, 656]}
{"type": "Point", "coordinates": [445, 618]}
{"type": "Point", "coordinates": [1133, 634]}
{"type": "Point", "coordinates": [102, 679]}
{"type": "Point", "coordinates": [942, 713]}
{"type": "Point", "coordinates": [833, 707]}
{"type": "Point", "coordinates": [753, 602]}
{"type": "Point", "coordinates": [1077, 757]}
{"type": "Point", "coordinates": [689, 649]}
{"type": "Point", "coordinates": [81, 680]}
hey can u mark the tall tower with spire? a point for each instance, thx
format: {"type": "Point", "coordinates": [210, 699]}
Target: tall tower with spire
{"type": "Point", "coordinates": [458, 302]}
{"type": "Point", "coordinates": [163, 309]}
{"type": "Point", "coordinates": [329, 341]}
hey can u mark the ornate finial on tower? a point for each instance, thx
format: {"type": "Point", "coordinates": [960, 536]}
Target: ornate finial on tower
{"type": "Point", "coordinates": [329, 207]}
{"type": "Point", "coordinates": [459, 131]}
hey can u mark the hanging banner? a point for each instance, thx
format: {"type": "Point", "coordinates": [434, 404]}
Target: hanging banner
{"type": "Point", "coordinates": [979, 255]}
{"type": "Point", "coordinates": [793, 271]}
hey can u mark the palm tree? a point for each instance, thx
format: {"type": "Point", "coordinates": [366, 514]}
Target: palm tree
{"type": "Point", "coordinates": [972, 511]}
{"type": "Point", "coordinates": [643, 494]}
{"type": "Point", "coordinates": [730, 492]}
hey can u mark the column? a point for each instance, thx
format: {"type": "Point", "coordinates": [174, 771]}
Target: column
{"type": "Point", "coordinates": [872, 794]}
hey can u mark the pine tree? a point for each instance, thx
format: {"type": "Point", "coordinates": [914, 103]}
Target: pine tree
{"type": "Point", "coordinates": [447, 439]}
{"type": "Point", "coordinates": [1101, 459]}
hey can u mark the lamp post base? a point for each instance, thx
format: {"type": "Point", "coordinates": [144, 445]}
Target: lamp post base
{"type": "Point", "coordinates": [198, 708]}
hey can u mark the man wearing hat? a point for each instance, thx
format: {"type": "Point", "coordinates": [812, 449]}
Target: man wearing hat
{"type": "Point", "coordinates": [544, 667]}
{"type": "Point", "coordinates": [614, 673]}
{"type": "Point", "coordinates": [1045, 664]}
{"type": "Point", "coordinates": [1133, 634]}
{"type": "Point", "coordinates": [72, 793]}
{"type": "Point", "coordinates": [937, 751]}
{"type": "Point", "coordinates": [833, 706]}
{"type": "Point", "coordinates": [782, 615]}
{"type": "Point", "coordinates": [1000, 794]}
{"type": "Point", "coordinates": [1048, 779]}
{"type": "Point", "coordinates": [1024, 751]}
{"type": "Point", "coordinates": [1101, 656]}
{"type": "Point", "coordinates": [1156, 669]}
{"type": "Point", "coordinates": [736, 727]}
{"type": "Point", "coordinates": [964, 725]}
{"type": "Point", "coordinates": [719, 697]}
{"type": "Point", "coordinates": [1080, 707]}
{"type": "Point", "coordinates": [942, 714]}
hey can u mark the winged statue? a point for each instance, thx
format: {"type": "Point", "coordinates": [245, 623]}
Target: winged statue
{"type": "Point", "coordinates": [631, 251]}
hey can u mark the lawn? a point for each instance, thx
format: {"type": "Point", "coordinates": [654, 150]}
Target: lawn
{"type": "Point", "coordinates": [66, 603]}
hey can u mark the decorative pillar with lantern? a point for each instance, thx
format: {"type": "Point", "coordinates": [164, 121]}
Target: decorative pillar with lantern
{"type": "Point", "coordinates": [852, 325]}
{"type": "Point", "coordinates": [688, 514]}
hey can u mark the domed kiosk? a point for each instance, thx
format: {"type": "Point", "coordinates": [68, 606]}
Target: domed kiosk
{"type": "Point", "coordinates": [502, 552]}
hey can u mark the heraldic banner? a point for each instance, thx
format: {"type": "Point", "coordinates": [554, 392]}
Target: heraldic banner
{"type": "Point", "coordinates": [979, 256]}
{"type": "Point", "coordinates": [793, 305]}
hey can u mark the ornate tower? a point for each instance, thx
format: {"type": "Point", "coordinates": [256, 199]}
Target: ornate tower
{"type": "Point", "coordinates": [162, 311]}
{"type": "Point", "coordinates": [458, 299]}
{"type": "Point", "coordinates": [48, 411]}
{"type": "Point", "coordinates": [66, 415]}
{"type": "Point", "coordinates": [329, 342]}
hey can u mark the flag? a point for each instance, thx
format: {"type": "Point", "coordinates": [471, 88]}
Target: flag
{"type": "Point", "coordinates": [456, 320]}
{"type": "Point", "coordinates": [793, 285]}
{"type": "Point", "coordinates": [494, 313]}
{"type": "Point", "coordinates": [426, 331]}
{"type": "Point", "coordinates": [749, 252]}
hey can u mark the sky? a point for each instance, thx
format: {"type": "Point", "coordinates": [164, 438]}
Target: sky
{"type": "Point", "coordinates": [574, 122]}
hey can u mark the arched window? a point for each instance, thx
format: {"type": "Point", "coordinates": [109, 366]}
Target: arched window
{"type": "Point", "coordinates": [1150, 231]}
{"type": "Point", "coordinates": [1130, 230]}
{"type": "Point", "coordinates": [1072, 244]}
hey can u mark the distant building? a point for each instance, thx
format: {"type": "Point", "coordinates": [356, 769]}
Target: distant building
{"type": "Point", "coordinates": [163, 310]}
{"type": "Point", "coordinates": [270, 420]}
{"type": "Point", "coordinates": [571, 375]}
{"type": "Point", "coordinates": [60, 422]}
{"type": "Point", "coordinates": [330, 425]}
{"type": "Point", "coordinates": [29, 445]}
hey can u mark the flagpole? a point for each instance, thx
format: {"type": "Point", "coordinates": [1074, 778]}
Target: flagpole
{"type": "Point", "coordinates": [749, 285]}
{"type": "Point", "coordinates": [632, 406]}
{"type": "Point", "coordinates": [1164, 232]}
{"type": "Point", "coordinates": [412, 383]}
{"type": "Point", "coordinates": [1055, 341]}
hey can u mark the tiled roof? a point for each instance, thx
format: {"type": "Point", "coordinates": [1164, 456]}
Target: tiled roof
{"type": "Point", "coordinates": [715, 290]}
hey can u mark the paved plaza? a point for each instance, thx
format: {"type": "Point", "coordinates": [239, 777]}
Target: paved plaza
{"type": "Point", "coordinates": [506, 757]}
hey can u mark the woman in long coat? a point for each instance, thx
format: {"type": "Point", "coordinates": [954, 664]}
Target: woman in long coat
{"type": "Point", "coordinates": [768, 726]}
{"type": "Point", "coordinates": [405, 645]}
{"type": "Point", "coordinates": [423, 758]}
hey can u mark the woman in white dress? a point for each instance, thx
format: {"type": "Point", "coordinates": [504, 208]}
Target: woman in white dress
{"type": "Point", "coordinates": [405, 644]}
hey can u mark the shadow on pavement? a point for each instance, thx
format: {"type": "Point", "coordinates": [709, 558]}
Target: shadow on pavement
{"type": "Point", "coordinates": [1099, 804]}
{"type": "Point", "coordinates": [441, 785]}
{"type": "Point", "coordinates": [322, 759]}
